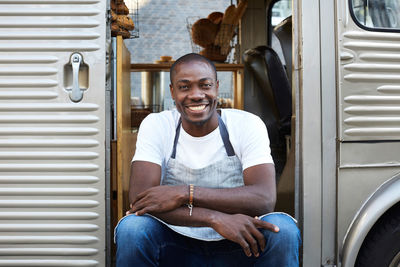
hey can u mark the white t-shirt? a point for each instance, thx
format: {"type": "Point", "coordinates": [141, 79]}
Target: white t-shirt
{"type": "Point", "coordinates": [247, 133]}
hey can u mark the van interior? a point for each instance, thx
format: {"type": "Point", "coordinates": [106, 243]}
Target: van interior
{"type": "Point", "coordinates": [255, 76]}
{"type": "Point", "coordinates": [257, 71]}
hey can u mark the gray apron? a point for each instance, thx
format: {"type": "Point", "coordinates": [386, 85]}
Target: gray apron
{"type": "Point", "coordinates": [225, 173]}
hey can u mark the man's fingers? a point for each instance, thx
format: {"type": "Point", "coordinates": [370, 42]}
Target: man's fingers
{"type": "Point", "coordinates": [139, 204]}
{"type": "Point", "coordinates": [140, 196]}
{"type": "Point", "coordinates": [246, 247]}
{"type": "Point", "coordinates": [134, 208]}
{"type": "Point", "coordinates": [138, 211]}
{"type": "Point", "coordinates": [266, 225]}
{"type": "Point", "coordinates": [135, 199]}
{"type": "Point", "coordinates": [253, 243]}
{"type": "Point", "coordinates": [130, 211]}
{"type": "Point", "coordinates": [148, 209]}
{"type": "Point", "coordinates": [142, 211]}
{"type": "Point", "coordinates": [260, 238]}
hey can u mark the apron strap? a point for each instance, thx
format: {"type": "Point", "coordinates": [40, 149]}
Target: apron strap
{"type": "Point", "coordinates": [177, 132]}
{"type": "Point", "coordinates": [223, 132]}
{"type": "Point", "coordinates": [225, 137]}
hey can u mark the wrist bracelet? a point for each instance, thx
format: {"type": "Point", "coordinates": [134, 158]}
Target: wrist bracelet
{"type": "Point", "coordinates": [190, 205]}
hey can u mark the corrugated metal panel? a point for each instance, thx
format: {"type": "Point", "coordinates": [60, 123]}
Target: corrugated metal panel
{"type": "Point", "coordinates": [47, 263]}
{"type": "Point", "coordinates": [52, 154]}
{"type": "Point", "coordinates": [369, 92]}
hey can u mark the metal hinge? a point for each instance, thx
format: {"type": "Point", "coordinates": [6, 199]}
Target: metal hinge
{"type": "Point", "coordinates": [108, 16]}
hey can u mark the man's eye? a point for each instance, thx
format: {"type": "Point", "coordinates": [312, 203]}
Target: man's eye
{"type": "Point", "coordinates": [183, 87]}
{"type": "Point", "coordinates": [206, 85]}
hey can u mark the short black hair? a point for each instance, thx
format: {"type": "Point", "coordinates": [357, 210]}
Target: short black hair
{"type": "Point", "coordinates": [189, 58]}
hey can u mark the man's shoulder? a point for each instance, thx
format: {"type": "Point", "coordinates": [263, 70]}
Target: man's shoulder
{"type": "Point", "coordinates": [163, 118]}
{"type": "Point", "coordinates": [241, 123]}
{"type": "Point", "coordinates": [155, 137]}
{"type": "Point", "coordinates": [237, 115]}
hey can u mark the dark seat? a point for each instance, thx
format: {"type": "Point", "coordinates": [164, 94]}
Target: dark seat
{"type": "Point", "coordinates": [274, 81]}
{"type": "Point", "coordinates": [271, 77]}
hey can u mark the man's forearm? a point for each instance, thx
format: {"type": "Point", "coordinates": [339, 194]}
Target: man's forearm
{"type": "Point", "coordinates": [201, 217]}
{"type": "Point", "coordinates": [251, 200]}
{"type": "Point", "coordinates": [255, 198]}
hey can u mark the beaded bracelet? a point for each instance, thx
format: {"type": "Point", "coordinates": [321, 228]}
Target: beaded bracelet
{"type": "Point", "coordinates": [190, 205]}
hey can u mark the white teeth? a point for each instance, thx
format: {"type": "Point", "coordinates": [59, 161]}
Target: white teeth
{"type": "Point", "coordinates": [196, 108]}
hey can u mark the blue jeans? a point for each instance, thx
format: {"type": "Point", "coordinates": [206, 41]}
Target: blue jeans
{"type": "Point", "coordinates": [144, 241]}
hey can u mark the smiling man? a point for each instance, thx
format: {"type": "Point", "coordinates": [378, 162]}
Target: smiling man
{"type": "Point", "coordinates": [202, 187]}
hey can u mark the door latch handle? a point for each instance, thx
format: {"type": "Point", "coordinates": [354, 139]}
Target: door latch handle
{"type": "Point", "coordinates": [76, 77]}
{"type": "Point", "coordinates": [76, 93]}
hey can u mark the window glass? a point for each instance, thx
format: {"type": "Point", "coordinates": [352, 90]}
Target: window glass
{"type": "Point", "coordinates": [377, 14]}
{"type": "Point", "coordinates": [280, 10]}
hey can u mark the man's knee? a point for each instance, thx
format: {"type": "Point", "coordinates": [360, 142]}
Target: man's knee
{"type": "Point", "coordinates": [138, 239]}
{"type": "Point", "coordinates": [134, 227]}
{"type": "Point", "coordinates": [288, 230]}
{"type": "Point", "coordinates": [282, 248]}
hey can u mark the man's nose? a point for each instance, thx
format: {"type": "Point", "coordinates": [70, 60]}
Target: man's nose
{"type": "Point", "coordinates": [196, 93]}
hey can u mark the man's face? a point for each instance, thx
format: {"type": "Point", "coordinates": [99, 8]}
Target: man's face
{"type": "Point", "coordinates": [195, 90]}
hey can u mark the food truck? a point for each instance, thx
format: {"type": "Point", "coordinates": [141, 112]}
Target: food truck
{"type": "Point", "coordinates": [323, 75]}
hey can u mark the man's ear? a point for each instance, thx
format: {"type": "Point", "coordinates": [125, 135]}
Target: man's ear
{"type": "Point", "coordinates": [171, 90]}
{"type": "Point", "coordinates": [217, 86]}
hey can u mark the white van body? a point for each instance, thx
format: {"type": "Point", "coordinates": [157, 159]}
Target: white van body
{"type": "Point", "coordinates": [52, 143]}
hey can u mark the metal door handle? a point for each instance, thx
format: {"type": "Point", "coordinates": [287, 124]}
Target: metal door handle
{"type": "Point", "coordinates": [76, 94]}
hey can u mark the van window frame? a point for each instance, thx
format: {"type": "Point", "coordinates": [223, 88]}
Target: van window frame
{"type": "Point", "coordinates": [359, 24]}
{"type": "Point", "coordinates": [270, 27]}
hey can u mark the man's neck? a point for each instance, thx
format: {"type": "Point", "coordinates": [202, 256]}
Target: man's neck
{"type": "Point", "coordinates": [198, 130]}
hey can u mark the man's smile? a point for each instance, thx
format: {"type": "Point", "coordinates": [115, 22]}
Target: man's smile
{"type": "Point", "coordinates": [197, 107]}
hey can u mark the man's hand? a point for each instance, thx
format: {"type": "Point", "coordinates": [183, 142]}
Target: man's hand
{"type": "Point", "coordinates": [242, 229]}
{"type": "Point", "coordinates": [159, 199]}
